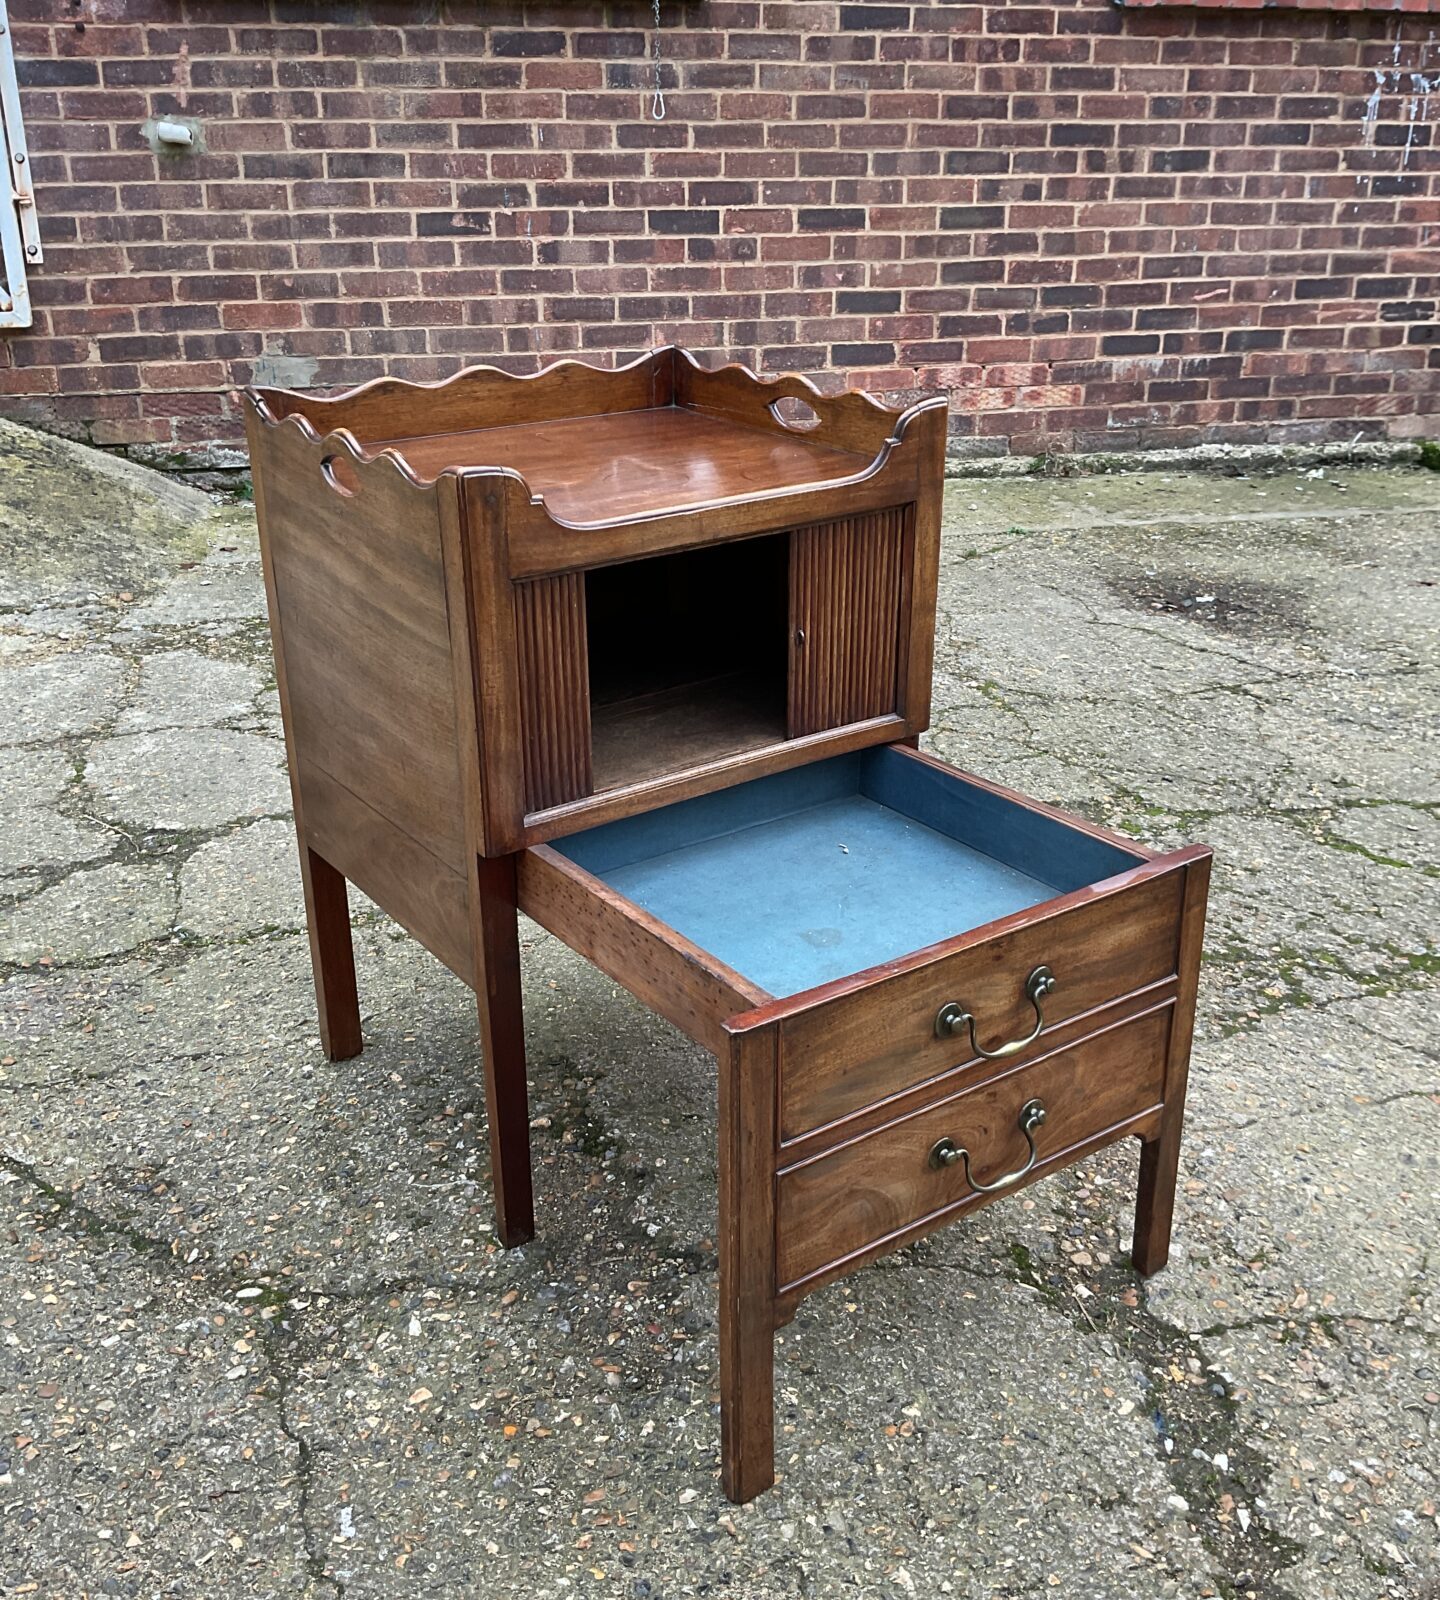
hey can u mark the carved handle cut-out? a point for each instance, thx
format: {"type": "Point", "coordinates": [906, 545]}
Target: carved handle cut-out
{"type": "Point", "coordinates": [339, 473]}
{"type": "Point", "coordinates": [790, 411]}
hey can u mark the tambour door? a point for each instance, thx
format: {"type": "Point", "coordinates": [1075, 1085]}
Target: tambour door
{"type": "Point", "coordinates": [847, 580]}
{"type": "Point", "coordinates": [554, 689]}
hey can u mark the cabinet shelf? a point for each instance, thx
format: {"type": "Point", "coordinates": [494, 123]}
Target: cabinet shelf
{"type": "Point", "coordinates": [684, 726]}
{"type": "Point", "coordinates": [687, 658]}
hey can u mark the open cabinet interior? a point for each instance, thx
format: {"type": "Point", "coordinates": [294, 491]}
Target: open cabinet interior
{"type": "Point", "coordinates": [643, 669]}
{"type": "Point", "coordinates": [687, 658]}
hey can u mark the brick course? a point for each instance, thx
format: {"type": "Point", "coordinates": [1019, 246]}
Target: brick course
{"type": "Point", "coordinates": [1093, 227]}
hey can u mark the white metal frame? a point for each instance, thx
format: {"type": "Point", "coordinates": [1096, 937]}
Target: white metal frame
{"type": "Point", "coordinates": [19, 228]}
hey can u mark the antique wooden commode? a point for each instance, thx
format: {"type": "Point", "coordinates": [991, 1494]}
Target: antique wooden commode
{"type": "Point", "coordinates": [644, 653]}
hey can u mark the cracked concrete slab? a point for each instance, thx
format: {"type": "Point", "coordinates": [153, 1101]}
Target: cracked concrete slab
{"type": "Point", "coordinates": [1391, 835]}
{"type": "Point", "coordinates": [214, 602]}
{"type": "Point", "coordinates": [182, 778]}
{"type": "Point", "coordinates": [219, 596]}
{"type": "Point", "coordinates": [1148, 503]}
{"type": "Point", "coordinates": [70, 693]}
{"type": "Point", "coordinates": [55, 1022]}
{"type": "Point", "coordinates": [183, 689]}
{"type": "Point", "coordinates": [37, 834]}
{"type": "Point", "coordinates": [587, 1460]}
{"type": "Point", "coordinates": [92, 913]}
{"type": "Point", "coordinates": [1278, 1191]}
{"type": "Point", "coordinates": [148, 1409]}
{"type": "Point", "coordinates": [1294, 919]}
{"type": "Point", "coordinates": [1354, 1477]}
{"type": "Point", "coordinates": [246, 882]}
{"type": "Point", "coordinates": [214, 597]}
{"type": "Point", "coordinates": [257, 1338]}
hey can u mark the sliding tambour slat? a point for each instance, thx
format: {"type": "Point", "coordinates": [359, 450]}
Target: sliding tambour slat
{"type": "Point", "coordinates": [554, 689]}
{"type": "Point", "coordinates": [845, 580]}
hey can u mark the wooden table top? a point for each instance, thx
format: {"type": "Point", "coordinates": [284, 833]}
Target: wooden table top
{"type": "Point", "coordinates": [630, 464]}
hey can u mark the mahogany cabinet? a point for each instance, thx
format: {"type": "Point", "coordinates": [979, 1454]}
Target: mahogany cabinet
{"type": "Point", "coordinates": [644, 653]}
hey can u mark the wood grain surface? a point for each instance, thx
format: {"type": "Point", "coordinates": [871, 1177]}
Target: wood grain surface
{"type": "Point", "coordinates": [847, 1051]}
{"type": "Point", "coordinates": [631, 464]}
{"type": "Point", "coordinates": [746, 1161]}
{"type": "Point", "coordinates": [685, 984]}
{"type": "Point", "coordinates": [360, 603]}
{"type": "Point", "coordinates": [425, 895]}
{"type": "Point", "coordinates": [480, 397]}
{"type": "Point", "coordinates": [1160, 1156]}
{"type": "Point", "coordinates": [877, 1190]}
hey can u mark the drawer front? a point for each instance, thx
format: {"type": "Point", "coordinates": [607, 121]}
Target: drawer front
{"type": "Point", "coordinates": [843, 1054]}
{"type": "Point", "coordinates": [869, 1194]}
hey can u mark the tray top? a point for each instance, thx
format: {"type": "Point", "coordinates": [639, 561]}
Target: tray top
{"type": "Point", "coordinates": [630, 464]}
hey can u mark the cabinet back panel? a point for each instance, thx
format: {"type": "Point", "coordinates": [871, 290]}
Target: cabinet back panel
{"type": "Point", "coordinates": [686, 618]}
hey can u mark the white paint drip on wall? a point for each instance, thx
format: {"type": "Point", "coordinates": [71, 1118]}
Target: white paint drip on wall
{"type": "Point", "coordinates": [1372, 109]}
{"type": "Point", "coordinates": [1414, 110]}
{"type": "Point", "coordinates": [1419, 107]}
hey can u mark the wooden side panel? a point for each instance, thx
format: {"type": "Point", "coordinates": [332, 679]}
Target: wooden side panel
{"type": "Point", "coordinates": [354, 551]}
{"type": "Point", "coordinates": [427, 898]}
{"type": "Point", "coordinates": [845, 584]}
{"type": "Point", "coordinates": [554, 689]}
{"type": "Point", "coordinates": [327, 905]}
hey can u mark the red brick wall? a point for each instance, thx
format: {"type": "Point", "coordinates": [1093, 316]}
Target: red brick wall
{"type": "Point", "coordinates": [1095, 228]}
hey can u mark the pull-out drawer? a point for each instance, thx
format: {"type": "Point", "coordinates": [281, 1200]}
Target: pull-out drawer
{"type": "Point", "coordinates": [892, 912]}
{"type": "Point", "coordinates": [923, 991]}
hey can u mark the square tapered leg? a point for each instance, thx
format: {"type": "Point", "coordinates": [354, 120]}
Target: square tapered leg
{"type": "Point", "coordinates": [332, 955]}
{"type": "Point", "coordinates": [496, 930]}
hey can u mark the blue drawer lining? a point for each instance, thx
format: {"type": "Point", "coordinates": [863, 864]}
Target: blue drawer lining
{"type": "Point", "coordinates": [809, 875]}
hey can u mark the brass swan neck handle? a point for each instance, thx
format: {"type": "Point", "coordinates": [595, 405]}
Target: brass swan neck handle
{"type": "Point", "coordinates": [955, 1017]}
{"type": "Point", "coordinates": [947, 1153]}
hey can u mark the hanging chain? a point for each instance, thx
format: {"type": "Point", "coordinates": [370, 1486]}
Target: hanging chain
{"type": "Point", "coordinates": [657, 103]}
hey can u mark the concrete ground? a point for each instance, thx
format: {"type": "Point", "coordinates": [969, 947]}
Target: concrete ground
{"type": "Point", "coordinates": [256, 1338]}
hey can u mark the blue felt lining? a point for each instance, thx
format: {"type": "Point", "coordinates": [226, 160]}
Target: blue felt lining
{"type": "Point", "coordinates": [825, 870]}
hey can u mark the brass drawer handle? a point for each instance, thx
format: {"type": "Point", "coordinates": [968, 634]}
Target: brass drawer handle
{"type": "Point", "coordinates": [946, 1154]}
{"type": "Point", "coordinates": [953, 1017]}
